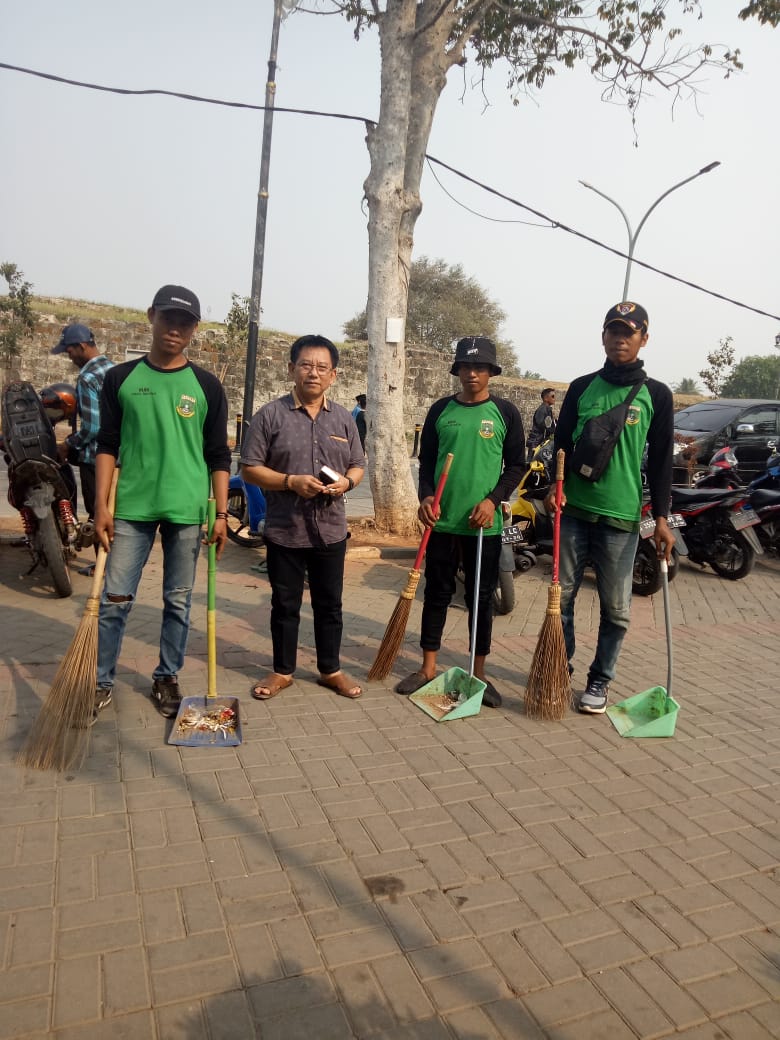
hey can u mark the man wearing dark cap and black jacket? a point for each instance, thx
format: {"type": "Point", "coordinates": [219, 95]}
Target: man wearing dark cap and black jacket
{"type": "Point", "coordinates": [600, 521]}
{"type": "Point", "coordinates": [485, 436]}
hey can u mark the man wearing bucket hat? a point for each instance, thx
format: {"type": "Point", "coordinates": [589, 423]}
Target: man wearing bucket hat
{"type": "Point", "coordinates": [600, 519]}
{"type": "Point", "coordinates": [166, 421]}
{"type": "Point", "coordinates": [485, 435]}
{"type": "Point", "coordinates": [78, 342]}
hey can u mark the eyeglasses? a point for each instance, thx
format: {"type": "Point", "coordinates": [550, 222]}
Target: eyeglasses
{"type": "Point", "coordinates": [311, 366]}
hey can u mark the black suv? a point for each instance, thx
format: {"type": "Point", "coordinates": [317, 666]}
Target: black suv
{"type": "Point", "coordinates": [751, 428]}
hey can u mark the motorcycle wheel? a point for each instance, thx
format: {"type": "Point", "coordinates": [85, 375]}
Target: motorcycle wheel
{"type": "Point", "coordinates": [54, 554]}
{"type": "Point", "coordinates": [731, 558]}
{"type": "Point", "coordinates": [504, 593]}
{"type": "Point", "coordinates": [238, 530]}
{"type": "Point", "coordinates": [647, 578]}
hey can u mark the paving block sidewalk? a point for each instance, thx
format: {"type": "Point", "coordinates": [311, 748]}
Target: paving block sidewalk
{"type": "Point", "coordinates": [356, 870]}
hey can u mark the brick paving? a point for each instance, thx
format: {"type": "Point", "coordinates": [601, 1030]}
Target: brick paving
{"type": "Point", "coordinates": [354, 869]}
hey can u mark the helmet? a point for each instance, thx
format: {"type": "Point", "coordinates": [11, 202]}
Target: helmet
{"type": "Point", "coordinates": [59, 401]}
{"type": "Point", "coordinates": [724, 458]}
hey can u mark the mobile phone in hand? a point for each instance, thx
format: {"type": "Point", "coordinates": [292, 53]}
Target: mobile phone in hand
{"type": "Point", "coordinates": [327, 475]}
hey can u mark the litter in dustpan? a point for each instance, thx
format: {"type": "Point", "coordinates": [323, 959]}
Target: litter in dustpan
{"type": "Point", "coordinates": [649, 714]}
{"type": "Point", "coordinates": [452, 695]}
{"type": "Point", "coordinates": [207, 722]}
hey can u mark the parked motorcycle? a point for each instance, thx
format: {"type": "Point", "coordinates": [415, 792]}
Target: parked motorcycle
{"type": "Point", "coordinates": [246, 513]}
{"type": "Point", "coordinates": [532, 530]}
{"type": "Point", "coordinates": [719, 529]}
{"type": "Point", "coordinates": [39, 486]}
{"type": "Point", "coordinates": [504, 593]}
{"type": "Point", "coordinates": [763, 492]}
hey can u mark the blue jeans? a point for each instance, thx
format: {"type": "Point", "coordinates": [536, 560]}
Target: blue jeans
{"type": "Point", "coordinates": [611, 553]}
{"type": "Point", "coordinates": [133, 541]}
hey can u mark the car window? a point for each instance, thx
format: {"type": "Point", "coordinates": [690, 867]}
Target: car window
{"type": "Point", "coordinates": [707, 418]}
{"type": "Point", "coordinates": [763, 419]}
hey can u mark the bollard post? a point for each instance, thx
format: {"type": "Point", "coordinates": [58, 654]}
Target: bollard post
{"type": "Point", "coordinates": [416, 446]}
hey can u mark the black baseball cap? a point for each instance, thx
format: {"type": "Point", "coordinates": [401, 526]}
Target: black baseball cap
{"type": "Point", "coordinates": [631, 314]}
{"type": "Point", "coordinates": [177, 298]}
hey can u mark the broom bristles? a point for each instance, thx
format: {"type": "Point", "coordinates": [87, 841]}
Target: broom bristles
{"type": "Point", "coordinates": [395, 631]}
{"type": "Point", "coordinates": [59, 737]}
{"type": "Point", "coordinates": [548, 690]}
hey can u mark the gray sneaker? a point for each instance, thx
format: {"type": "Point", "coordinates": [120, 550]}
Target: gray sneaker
{"type": "Point", "coordinates": [102, 700]}
{"type": "Point", "coordinates": [594, 699]}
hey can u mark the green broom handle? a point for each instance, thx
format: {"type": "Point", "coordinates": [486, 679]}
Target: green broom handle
{"type": "Point", "coordinates": [436, 499]}
{"type": "Point", "coordinates": [559, 466]}
{"type": "Point", "coordinates": [211, 616]}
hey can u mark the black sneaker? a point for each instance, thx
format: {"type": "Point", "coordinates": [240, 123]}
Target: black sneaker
{"type": "Point", "coordinates": [594, 699]}
{"type": "Point", "coordinates": [102, 700]}
{"type": "Point", "coordinates": [166, 696]}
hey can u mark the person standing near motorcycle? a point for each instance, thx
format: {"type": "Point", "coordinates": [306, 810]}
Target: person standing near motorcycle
{"type": "Point", "coordinates": [78, 342]}
{"type": "Point", "coordinates": [600, 520]}
{"type": "Point", "coordinates": [485, 436]}
{"type": "Point", "coordinates": [544, 421]}
{"type": "Point", "coordinates": [167, 419]}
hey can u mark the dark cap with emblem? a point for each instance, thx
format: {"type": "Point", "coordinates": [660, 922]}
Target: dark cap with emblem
{"type": "Point", "coordinates": [475, 350]}
{"type": "Point", "coordinates": [177, 298]}
{"type": "Point", "coordinates": [631, 314]}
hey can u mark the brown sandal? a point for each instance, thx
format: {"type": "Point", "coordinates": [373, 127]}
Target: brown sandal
{"type": "Point", "coordinates": [274, 683]}
{"type": "Point", "coordinates": [341, 684]}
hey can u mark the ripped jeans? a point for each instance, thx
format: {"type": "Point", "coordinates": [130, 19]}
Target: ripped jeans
{"type": "Point", "coordinates": [133, 541]}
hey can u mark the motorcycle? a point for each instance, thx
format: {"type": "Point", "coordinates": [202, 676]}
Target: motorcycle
{"type": "Point", "coordinates": [504, 592]}
{"type": "Point", "coordinates": [40, 487]}
{"type": "Point", "coordinates": [534, 528]}
{"type": "Point", "coordinates": [763, 492]}
{"type": "Point", "coordinates": [246, 513]}
{"type": "Point", "coordinates": [718, 529]}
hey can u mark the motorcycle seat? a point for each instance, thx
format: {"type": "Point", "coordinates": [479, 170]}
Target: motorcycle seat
{"type": "Point", "coordinates": [686, 498]}
{"type": "Point", "coordinates": [764, 498]}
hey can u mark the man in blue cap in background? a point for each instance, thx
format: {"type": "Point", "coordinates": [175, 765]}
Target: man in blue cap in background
{"type": "Point", "coordinates": [78, 342]}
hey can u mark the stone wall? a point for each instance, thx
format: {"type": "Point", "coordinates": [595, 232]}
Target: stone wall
{"type": "Point", "coordinates": [427, 377]}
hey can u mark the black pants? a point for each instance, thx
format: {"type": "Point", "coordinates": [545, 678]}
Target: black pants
{"type": "Point", "coordinates": [287, 569]}
{"type": "Point", "coordinates": [87, 473]}
{"type": "Point", "coordinates": [444, 553]}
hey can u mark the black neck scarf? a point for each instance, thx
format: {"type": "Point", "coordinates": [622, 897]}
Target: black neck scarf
{"type": "Point", "coordinates": [623, 375]}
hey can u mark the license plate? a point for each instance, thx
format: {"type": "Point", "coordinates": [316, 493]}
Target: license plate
{"type": "Point", "coordinates": [25, 431]}
{"type": "Point", "coordinates": [515, 533]}
{"type": "Point", "coordinates": [746, 517]}
{"type": "Point", "coordinates": [647, 526]}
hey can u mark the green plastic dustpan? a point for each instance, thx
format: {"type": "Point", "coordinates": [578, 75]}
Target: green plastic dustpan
{"type": "Point", "coordinates": [456, 694]}
{"type": "Point", "coordinates": [454, 687]}
{"type": "Point", "coordinates": [654, 712]}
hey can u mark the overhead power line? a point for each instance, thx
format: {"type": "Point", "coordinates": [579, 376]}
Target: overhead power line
{"type": "Point", "coordinates": [550, 221]}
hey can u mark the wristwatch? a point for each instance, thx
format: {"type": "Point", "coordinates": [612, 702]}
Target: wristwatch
{"type": "Point", "coordinates": [351, 483]}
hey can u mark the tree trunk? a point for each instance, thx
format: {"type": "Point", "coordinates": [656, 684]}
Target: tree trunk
{"type": "Point", "coordinates": [413, 77]}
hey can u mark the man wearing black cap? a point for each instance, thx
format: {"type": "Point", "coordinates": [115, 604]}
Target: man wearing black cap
{"type": "Point", "coordinates": [167, 419]}
{"type": "Point", "coordinates": [78, 342]}
{"type": "Point", "coordinates": [600, 522]}
{"type": "Point", "coordinates": [485, 436]}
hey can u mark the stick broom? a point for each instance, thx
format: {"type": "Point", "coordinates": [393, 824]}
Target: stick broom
{"type": "Point", "coordinates": [548, 691]}
{"type": "Point", "coordinates": [59, 737]}
{"type": "Point", "coordinates": [396, 626]}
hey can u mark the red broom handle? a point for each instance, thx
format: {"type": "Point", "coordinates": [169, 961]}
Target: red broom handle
{"type": "Point", "coordinates": [436, 499]}
{"type": "Point", "coordinates": [557, 521]}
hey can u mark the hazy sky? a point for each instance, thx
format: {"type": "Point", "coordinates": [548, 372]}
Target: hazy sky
{"type": "Point", "coordinates": [106, 197]}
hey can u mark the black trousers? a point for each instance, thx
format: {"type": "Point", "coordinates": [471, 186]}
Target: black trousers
{"type": "Point", "coordinates": [87, 473]}
{"type": "Point", "coordinates": [445, 552]}
{"type": "Point", "coordinates": [287, 569]}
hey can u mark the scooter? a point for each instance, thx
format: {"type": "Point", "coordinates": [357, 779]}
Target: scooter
{"type": "Point", "coordinates": [40, 487]}
{"type": "Point", "coordinates": [246, 513]}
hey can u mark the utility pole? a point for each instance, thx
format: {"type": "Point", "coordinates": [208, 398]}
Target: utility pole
{"type": "Point", "coordinates": [260, 222]}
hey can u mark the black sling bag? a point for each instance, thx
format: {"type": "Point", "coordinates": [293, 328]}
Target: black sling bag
{"type": "Point", "coordinates": [599, 436]}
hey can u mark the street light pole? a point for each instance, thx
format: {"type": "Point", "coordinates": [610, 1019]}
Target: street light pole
{"type": "Point", "coordinates": [634, 235]}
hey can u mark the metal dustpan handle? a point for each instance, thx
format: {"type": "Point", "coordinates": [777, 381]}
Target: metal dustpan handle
{"type": "Point", "coordinates": [211, 616]}
{"type": "Point", "coordinates": [475, 605]}
{"type": "Point", "coordinates": [668, 624]}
